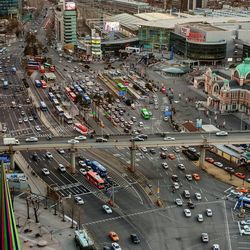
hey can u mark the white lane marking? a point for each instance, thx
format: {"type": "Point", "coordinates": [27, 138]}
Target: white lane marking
{"type": "Point", "coordinates": [239, 228]}
{"type": "Point", "coordinates": [228, 189]}
{"type": "Point", "coordinates": [205, 198]}
{"type": "Point", "coordinates": [227, 227]}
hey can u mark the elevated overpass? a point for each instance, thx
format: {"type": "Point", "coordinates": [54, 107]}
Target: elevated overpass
{"type": "Point", "coordinates": [202, 139]}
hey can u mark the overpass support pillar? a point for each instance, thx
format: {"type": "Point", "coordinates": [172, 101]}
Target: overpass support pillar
{"type": "Point", "coordinates": [12, 163]}
{"type": "Point", "coordinates": [202, 157]}
{"type": "Point", "coordinates": [132, 157]}
{"type": "Point", "coordinates": [73, 160]}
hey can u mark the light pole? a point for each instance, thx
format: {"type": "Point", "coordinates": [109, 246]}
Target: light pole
{"type": "Point", "coordinates": [241, 117]}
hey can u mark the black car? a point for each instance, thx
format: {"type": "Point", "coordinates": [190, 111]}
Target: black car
{"type": "Point", "coordinates": [134, 238]}
{"type": "Point", "coordinates": [143, 136]}
{"type": "Point", "coordinates": [175, 178]}
{"type": "Point", "coordinates": [190, 204]}
{"type": "Point", "coordinates": [137, 138]}
{"type": "Point", "coordinates": [126, 130]}
{"type": "Point", "coordinates": [152, 151]}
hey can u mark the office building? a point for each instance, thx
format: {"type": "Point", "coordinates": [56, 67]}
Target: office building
{"type": "Point", "coordinates": [10, 8]}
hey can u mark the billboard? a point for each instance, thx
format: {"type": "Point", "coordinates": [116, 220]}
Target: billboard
{"type": "Point", "coordinates": [70, 6]}
{"type": "Point", "coordinates": [196, 37]}
{"type": "Point", "coordinates": [111, 26]}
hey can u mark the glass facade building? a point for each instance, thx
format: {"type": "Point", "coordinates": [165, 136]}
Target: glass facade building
{"type": "Point", "coordinates": [10, 7]}
{"type": "Point", "coordinates": [70, 27]}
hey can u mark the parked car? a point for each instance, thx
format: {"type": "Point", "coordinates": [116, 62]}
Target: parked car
{"type": "Point", "coordinates": [45, 171]}
{"type": "Point", "coordinates": [113, 236]}
{"type": "Point", "coordinates": [187, 212]}
{"type": "Point", "coordinates": [240, 175]}
{"type": "Point", "coordinates": [204, 237]}
{"type": "Point", "coordinates": [209, 212]}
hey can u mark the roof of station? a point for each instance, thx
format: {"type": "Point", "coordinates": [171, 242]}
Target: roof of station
{"type": "Point", "coordinates": [244, 68]}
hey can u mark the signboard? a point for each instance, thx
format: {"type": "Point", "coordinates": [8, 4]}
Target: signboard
{"type": "Point", "coordinates": [70, 6]}
{"type": "Point", "coordinates": [111, 26]}
{"type": "Point", "coordinates": [185, 31]}
{"type": "Point", "coordinates": [196, 37]}
{"type": "Point", "coordinates": [198, 123]}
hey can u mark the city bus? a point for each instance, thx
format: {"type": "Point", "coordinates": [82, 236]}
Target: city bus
{"type": "Point", "coordinates": [51, 96]}
{"type": "Point", "coordinates": [38, 84]}
{"type": "Point", "coordinates": [72, 96]}
{"type": "Point", "coordinates": [81, 128]}
{"type": "Point", "coordinates": [145, 114]}
{"type": "Point", "coordinates": [99, 168]}
{"type": "Point", "coordinates": [59, 110]}
{"type": "Point", "coordinates": [55, 102]}
{"type": "Point", "coordinates": [44, 84]}
{"type": "Point", "coordinates": [86, 98]}
{"type": "Point", "coordinates": [121, 87]}
{"type": "Point", "coordinates": [67, 118]}
{"type": "Point", "coordinates": [244, 202]}
{"type": "Point", "coordinates": [95, 179]}
{"type": "Point", "coordinates": [43, 106]}
{"type": "Point", "coordinates": [42, 69]}
{"type": "Point", "coordinates": [5, 84]}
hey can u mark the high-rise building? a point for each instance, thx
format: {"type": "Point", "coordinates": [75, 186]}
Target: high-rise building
{"type": "Point", "coordinates": [10, 8]}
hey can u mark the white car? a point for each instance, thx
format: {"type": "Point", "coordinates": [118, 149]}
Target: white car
{"type": "Point", "coordinates": [25, 119]}
{"type": "Point", "coordinates": [189, 177]}
{"type": "Point", "coordinates": [38, 128]}
{"type": "Point", "coordinates": [216, 247]}
{"type": "Point", "coordinates": [178, 202]}
{"type": "Point", "coordinates": [168, 138]}
{"type": "Point", "coordinates": [218, 164]}
{"type": "Point", "coordinates": [20, 121]}
{"type": "Point", "coordinates": [49, 155]}
{"type": "Point", "coordinates": [245, 222]}
{"type": "Point", "coordinates": [181, 166]}
{"type": "Point", "coordinates": [198, 196]}
{"type": "Point", "coordinates": [187, 212]}
{"type": "Point", "coordinates": [61, 168]}
{"type": "Point", "coordinates": [83, 171]}
{"type": "Point", "coordinates": [61, 151]}
{"type": "Point", "coordinates": [81, 138]}
{"type": "Point", "coordinates": [79, 200]}
{"type": "Point", "coordinates": [164, 149]}
{"type": "Point", "coordinates": [204, 237]}
{"type": "Point", "coordinates": [31, 118]}
{"type": "Point", "coordinates": [107, 209]}
{"type": "Point", "coordinates": [200, 217]}
{"type": "Point", "coordinates": [164, 165]}
{"type": "Point", "coordinates": [31, 139]}
{"type": "Point", "coordinates": [116, 246]}
{"type": "Point", "coordinates": [176, 185]}
{"type": "Point", "coordinates": [177, 150]}
{"type": "Point", "coordinates": [221, 133]}
{"type": "Point", "coordinates": [140, 124]}
{"type": "Point", "coordinates": [73, 141]}
{"type": "Point", "coordinates": [45, 171]}
{"type": "Point", "coordinates": [82, 164]}
{"type": "Point", "coordinates": [209, 212]}
{"type": "Point", "coordinates": [144, 149]}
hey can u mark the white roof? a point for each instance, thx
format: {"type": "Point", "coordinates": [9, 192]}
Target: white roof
{"type": "Point", "coordinates": [153, 16]}
{"type": "Point", "coordinates": [209, 128]}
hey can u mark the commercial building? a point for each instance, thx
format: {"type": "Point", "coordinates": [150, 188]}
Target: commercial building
{"type": "Point", "coordinates": [10, 8]}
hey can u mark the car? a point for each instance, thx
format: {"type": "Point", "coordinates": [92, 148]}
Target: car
{"type": "Point", "coordinates": [176, 185]}
{"type": "Point", "coordinates": [221, 133]}
{"type": "Point", "coordinates": [196, 176]}
{"type": "Point", "coordinates": [181, 166]}
{"type": "Point", "coordinates": [82, 164]}
{"type": "Point", "coordinates": [28, 101]}
{"type": "Point", "coordinates": [242, 189]}
{"type": "Point", "coordinates": [49, 155]}
{"type": "Point", "coordinates": [218, 164]}
{"type": "Point", "coordinates": [113, 236]}
{"type": "Point", "coordinates": [189, 177]}
{"type": "Point", "coordinates": [245, 232]}
{"type": "Point", "coordinates": [73, 141]}
{"type": "Point", "coordinates": [240, 175]}
{"type": "Point", "coordinates": [31, 139]}
{"type": "Point", "coordinates": [163, 155]}
{"type": "Point", "coordinates": [45, 171]}
{"type": "Point", "coordinates": [133, 118]}
{"type": "Point", "coordinates": [191, 149]}
{"type": "Point", "coordinates": [20, 121]}
{"type": "Point", "coordinates": [83, 171]}
{"type": "Point", "coordinates": [187, 212]}
{"type": "Point", "coordinates": [210, 160]}
{"type": "Point", "coordinates": [61, 151]}
{"type": "Point", "coordinates": [168, 138]}
{"type": "Point", "coordinates": [101, 139]}
{"type": "Point", "coordinates": [116, 246]}
{"type": "Point", "coordinates": [136, 138]}
{"type": "Point", "coordinates": [197, 196]}
{"type": "Point", "coordinates": [178, 202]}
{"type": "Point", "coordinates": [143, 136]}
{"type": "Point", "coordinates": [22, 113]}
{"type": "Point", "coordinates": [216, 247]}
{"type": "Point", "coordinates": [140, 124]}
{"type": "Point", "coordinates": [144, 149]}
{"type": "Point", "coordinates": [209, 212]}
{"type": "Point", "coordinates": [175, 178]}
{"type": "Point", "coordinates": [31, 118]}
{"type": "Point", "coordinates": [190, 204]}
{"type": "Point", "coordinates": [186, 194]}
{"type": "Point", "coordinates": [204, 237]}
{"type": "Point", "coordinates": [107, 209]}
{"type": "Point", "coordinates": [164, 149]}
{"type": "Point", "coordinates": [37, 128]}
{"type": "Point", "coordinates": [177, 149]}
{"type": "Point", "coordinates": [135, 239]}
{"type": "Point", "coordinates": [79, 200]}
{"type": "Point", "coordinates": [61, 168]}
{"type": "Point", "coordinates": [164, 165]}
{"type": "Point", "coordinates": [80, 138]}
{"type": "Point", "coordinates": [200, 218]}
{"type": "Point", "coordinates": [25, 119]}
{"type": "Point", "coordinates": [245, 222]}
{"type": "Point", "coordinates": [248, 180]}
{"type": "Point", "coordinates": [152, 151]}
{"type": "Point", "coordinates": [171, 157]}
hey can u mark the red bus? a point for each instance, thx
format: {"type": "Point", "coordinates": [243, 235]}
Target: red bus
{"type": "Point", "coordinates": [72, 96]}
{"type": "Point", "coordinates": [42, 70]}
{"type": "Point", "coordinates": [67, 90]}
{"type": "Point", "coordinates": [44, 84]}
{"type": "Point", "coordinates": [95, 179]}
{"type": "Point", "coordinates": [81, 128]}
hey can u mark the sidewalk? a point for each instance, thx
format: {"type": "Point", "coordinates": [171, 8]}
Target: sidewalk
{"type": "Point", "coordinates": [55, 234]}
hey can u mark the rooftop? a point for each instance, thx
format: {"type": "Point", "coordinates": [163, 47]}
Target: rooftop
{"type": "Point", "coordinates": [204, 26]}
{"type": "Point", "coordinates": [153, 16]}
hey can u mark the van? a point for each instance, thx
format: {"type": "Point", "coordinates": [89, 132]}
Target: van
{"type": "Point", "coordinates": [186, 194]}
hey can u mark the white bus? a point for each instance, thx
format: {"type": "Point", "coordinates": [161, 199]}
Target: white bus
{"type": "Point", "coordinates": [59, 110]}
{"type": "Point", "coordinates": [67, 118]}
{"type": "Point", "coordinates": [55, 102]}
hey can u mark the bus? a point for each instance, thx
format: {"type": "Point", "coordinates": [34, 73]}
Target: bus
{"type": "Point", "coordinates": [44, 84]}
{"type": "Point", "coordinates": [72, 96]}
{"type": "Point", "coordinates": [5, 84]}
{"type": "Point", "coordinates": [59, 110]}
{"type": "Point", "coordinates": [145, 114]}
{"type": "Point", "coordinates": [95, 179]}
{"type": "Point", "coordinates": [42, 69]}
{"type": "Point", "coordinates": [55, 102]}
{"type": "Point", "coordinates": [46, 65]}
{"type": "Point", "coordinates": [3, 49]}
{"type": "Point", "coordinates": [67, 118]}
{"type": "Point", "coordinates": [38, 84]}
{"type": "Point", "coordinates": [67, 90]}
{"type": "Point", "coordinates": [43, 106]}
{"type": "Point", "coordinates": [81, 128]}
{"type": "Point", "coordinates": [51, 96]}
{"type": "Point", "coordinates": [244, 202]}
{"type": "Point", "coordinates": [121, 87]}
{"type": "Point", "coordinates": [99, 168]}
{"type": "Point", "coordinates": [86, 98]}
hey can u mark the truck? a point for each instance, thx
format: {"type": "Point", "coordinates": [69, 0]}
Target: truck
{"type": "Point", "coordinates": [10, 141]}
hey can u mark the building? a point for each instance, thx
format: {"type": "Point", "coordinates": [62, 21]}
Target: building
{"type": "Point", "coordinates": [10, 8]}
{"type": "Point", "coordinates": [95, 44]}
{"type": "Point", "coordinates": [229, 95]}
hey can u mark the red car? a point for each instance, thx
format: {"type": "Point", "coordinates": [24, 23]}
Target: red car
{"type": "Point", "coordinates": [163, 89]}
{"type": "Point", "coordinates": [171, 156]}
{"type": "Point", "coordinates": [209, 159]}
{"type": "Point", "coordinates": [240, 175]}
